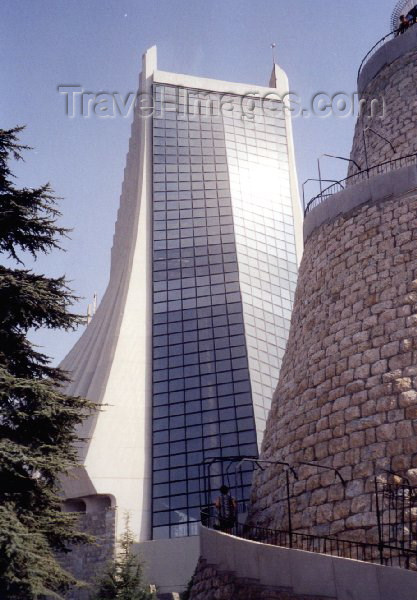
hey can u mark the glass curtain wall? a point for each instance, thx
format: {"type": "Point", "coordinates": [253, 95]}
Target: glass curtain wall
{"type": "Point", "coordinates": [202, 397]}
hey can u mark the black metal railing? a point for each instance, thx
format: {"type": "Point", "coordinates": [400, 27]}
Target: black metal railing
{"type": "Point", "coordinates": [376, 47]}
{"type": "Point", "coordinates": [394, 523]}
{"type": "Point", "coordinates": [384, 167]}
{"type": "Point", "coordinates": [396, 506]}
{"type": "Point", "coordinates": [389, 36]}
{"type": "Point", "coordinates": [384, 554]}
{"type": "Point", "coordinates": [393, 526]}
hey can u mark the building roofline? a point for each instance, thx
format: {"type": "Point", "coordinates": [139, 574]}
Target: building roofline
{"type": "Point", "coordinates": [216, 85]}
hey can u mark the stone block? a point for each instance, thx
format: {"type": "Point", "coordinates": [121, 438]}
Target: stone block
{"type": "Point", "coordinates": [386, 432]}
{"type": "Point", "coordinates": [407, 399]}
{"type": "Point", "coordinates": [390, 349]}
{"type": "Point", "coordinates": [401, 361]}
{"type": "Point", "coordinates": [412, 476]}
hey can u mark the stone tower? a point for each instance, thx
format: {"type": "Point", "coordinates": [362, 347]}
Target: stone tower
{"type": "Point", "coordinates": [347, 394]}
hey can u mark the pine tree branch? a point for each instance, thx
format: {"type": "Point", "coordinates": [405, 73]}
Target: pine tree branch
{"type": "Point", "coordinates": [29, 301]}
{"type": "Point", "coordinates": [28, 221]}
{"type": "Point", "coordinates": [38, 420]}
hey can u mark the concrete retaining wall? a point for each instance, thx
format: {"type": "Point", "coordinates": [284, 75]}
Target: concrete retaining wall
{"type": "Point", "coordinates": [386, 55]}
{"type": "Point", "coordinates": [375, 189]}
{"type": "Point", "coordinates": [169, 563]}
{"type": "Point", "coordinates": [291, 574]}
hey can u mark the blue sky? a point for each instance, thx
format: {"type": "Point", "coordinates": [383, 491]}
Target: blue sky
{"type": "Point", "coordinates": [98, 44]}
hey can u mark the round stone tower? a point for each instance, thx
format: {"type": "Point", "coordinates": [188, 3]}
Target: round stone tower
{"type": "Point", "coordinates": [347, 394]}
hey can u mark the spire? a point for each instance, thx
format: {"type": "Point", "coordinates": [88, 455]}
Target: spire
{"type": "Point", "coordinates": [279, 80]}
{"type": "Point", "coordinates": [273, 46]}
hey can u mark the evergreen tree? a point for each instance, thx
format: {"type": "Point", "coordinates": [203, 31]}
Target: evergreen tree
{"type": "Point", "coordinates": [123, 577]}
{"type": "Point", "coordinates": [37, 419]}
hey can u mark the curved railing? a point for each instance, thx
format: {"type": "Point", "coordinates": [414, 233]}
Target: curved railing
{"type": "Point", "coordinates": [384, 167]}
{"type": "Point", "coordinates": [375, 48]}
{"type": "Point", "coordinates": [384, 554]}
{"type": "Point", "coordinates": [401, 8]}
{"type": "Point", "coordinates": [392, 506]}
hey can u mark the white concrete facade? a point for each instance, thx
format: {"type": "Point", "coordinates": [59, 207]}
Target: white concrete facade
{"type": "Point", "coordinates": [111, 364]}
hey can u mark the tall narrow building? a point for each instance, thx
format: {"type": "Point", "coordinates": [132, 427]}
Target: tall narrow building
{"type": "Point", "coordinates": [184, 351]}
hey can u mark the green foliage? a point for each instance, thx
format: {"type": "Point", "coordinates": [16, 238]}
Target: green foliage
{"type": "Point", "coordinates": [123, 577]}
{"type": "Point", "coordinates": [37, 419]}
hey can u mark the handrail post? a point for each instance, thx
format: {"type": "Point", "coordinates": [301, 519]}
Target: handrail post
{"type": "Point", "coordinates": [287, 477]}
{"type": "Point", "coordinates": [378, 517]}
{"type": "Point", "coordinates": [319, 170]}
{"type": "Point", "coordinates": [366, 152]}
{"type": "Point", "coordinates": [374, 48]}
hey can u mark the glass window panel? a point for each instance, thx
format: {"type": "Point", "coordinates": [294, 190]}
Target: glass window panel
{"type": "Point", "coordinates": [210, 416]}
{"type": "Point", "coordinates": [199, 374]}
{"type": "Point", "coordinates": [193, 419]}
{"type": "Point", "coordinates": [177, 460]}
{"type": "Point", "coordinates": [230, 439]}
{"type": "Point", "coordinates": [161, 476]}
{"type": "Point", "coordinates": [177, 421]}
{"type": "Point", "coordinates": [176, 447]}
{"type": "Point", "coordinates": [160, 463]}
{"type": "Point", "coordinates": [193, 445]}
{"type": "Point", "coordinates": [194, 431]}
{"type": "Point", "coordinates": [160, 436]}
{"type": "Point", "coordinates": [178, 502]}
{"type": "Point", "coordinates": [211, 442]}
{"type": "Point", "coordinates": [161, 489]}
{"type": "Point", "coordinates": [178, 487]}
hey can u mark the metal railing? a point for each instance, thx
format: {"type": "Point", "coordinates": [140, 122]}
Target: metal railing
{"type": "Point", "coordinates": [389, 36]}
{"type": "Point", "coordinates": [375, 48]}
{"type": "Point", "coordinates": [394, 507]}
{"type": "Point", "coordinates": [384, 167]}
{"type": "Point", "coordinates": [383, 554]}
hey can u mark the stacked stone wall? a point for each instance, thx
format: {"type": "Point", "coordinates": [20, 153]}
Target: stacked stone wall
{"type": "Point", "coordinates": [395, 87]}
{"type": "Point", "coordinates": [347, 394]}
{"type": "Point", "coordinates": [86, 562]}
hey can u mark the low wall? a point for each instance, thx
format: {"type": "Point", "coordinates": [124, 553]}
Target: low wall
{"type": "Point", "coordinates": [375, 189]}
{"type": "Point", "coordinates": [386, 55]}
{"type": "Point", "coordinates": [300, 575]}
{"type": "Point", "coordinates": [169, 563]}
{"type": "Point", "coordinates": [211, 583]}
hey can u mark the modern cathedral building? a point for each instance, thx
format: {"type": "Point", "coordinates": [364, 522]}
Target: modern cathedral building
{"type": "Point", "coordinates": [184, 351]}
